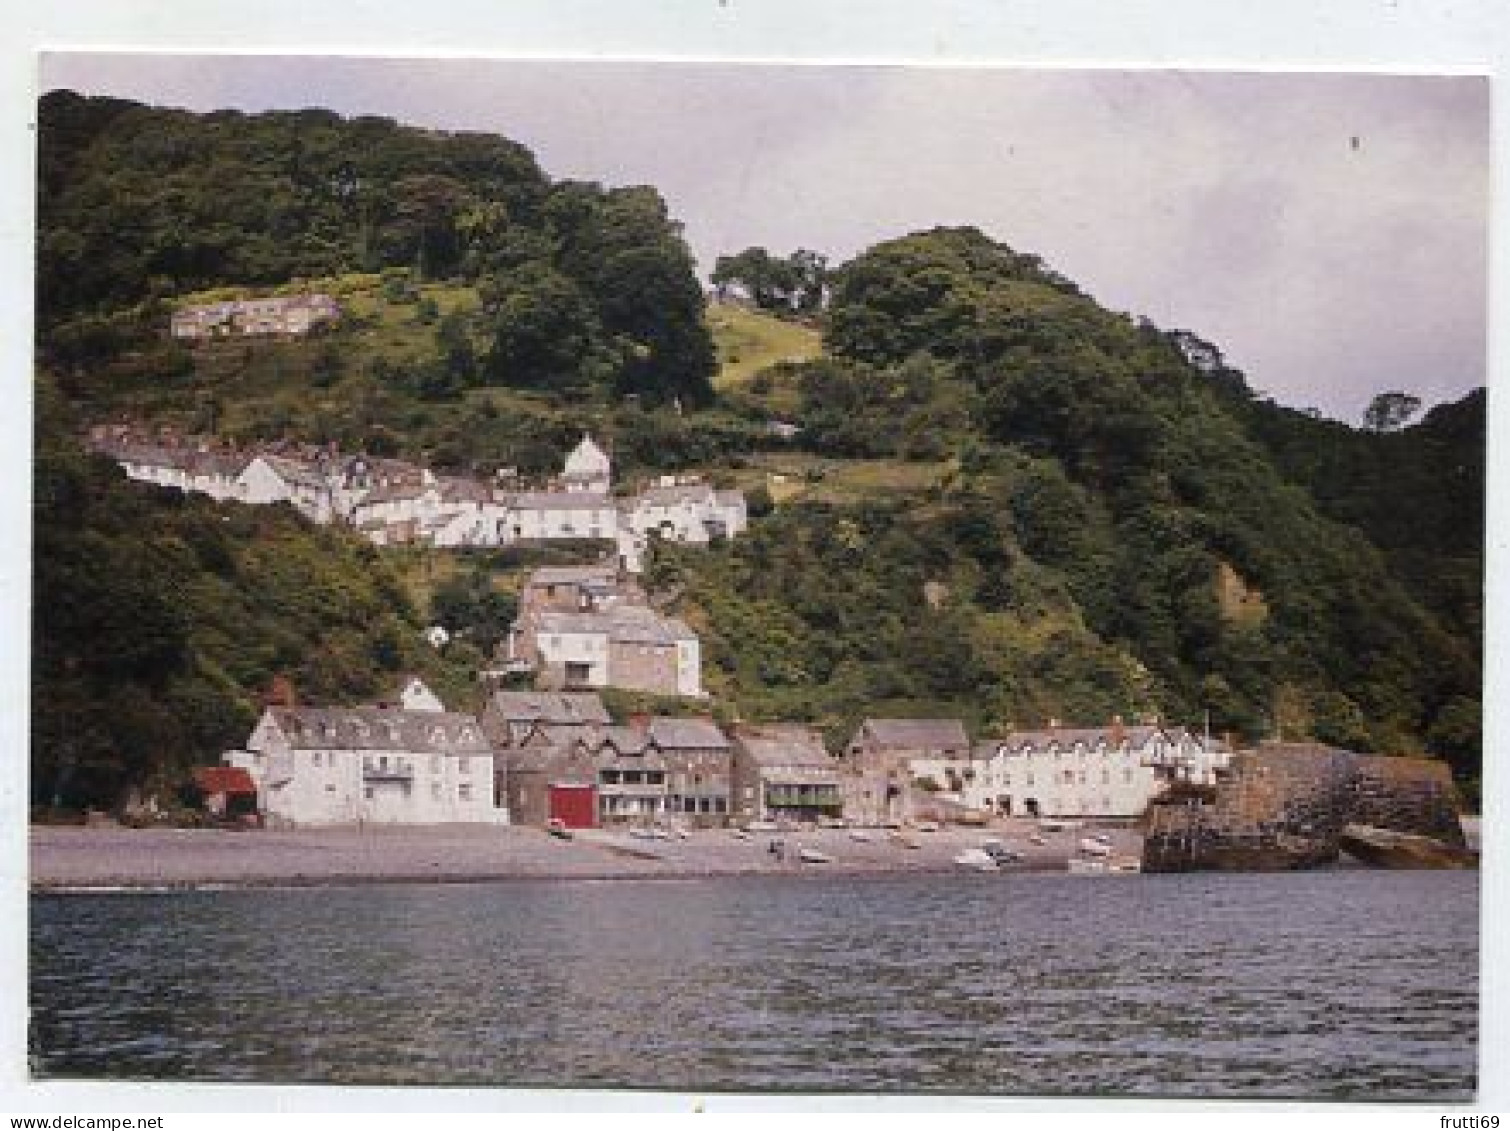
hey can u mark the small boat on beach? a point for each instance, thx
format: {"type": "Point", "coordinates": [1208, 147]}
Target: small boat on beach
{"type": "Point", "coordinates": [977, 860]}
{"type": "Point", "coordinates": [813, 856]}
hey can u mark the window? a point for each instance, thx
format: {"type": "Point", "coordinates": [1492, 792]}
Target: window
{"type": "Point", "coordinates": [1127, 775]}
{"type": "Point", "coordinates": [314, 759]}
{"type": "Point", "coordinates": [464, 792]}
{"type": "Point", "coordinates": [1106, 777]}
{"type": "Point", "coordinates": [367, 793]}
{"type": "Point", "coordinates": [435, 790]}
{"type": "Point", "coordinates": [463, 765]}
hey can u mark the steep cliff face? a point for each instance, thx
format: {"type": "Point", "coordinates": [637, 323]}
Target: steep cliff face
{"type": "Point", "coordinates": [1285, 806]}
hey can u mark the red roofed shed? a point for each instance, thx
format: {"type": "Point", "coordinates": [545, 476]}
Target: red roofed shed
{"type": "Point", "coordinates": [227, 791]}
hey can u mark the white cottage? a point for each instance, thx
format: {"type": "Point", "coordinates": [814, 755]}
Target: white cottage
{"type": "Point", "coordinates": [275, 479]}
{"type": "Point", "coordinates": [377, 765]}
{"type": "Point", "coordinates": [587, 468]}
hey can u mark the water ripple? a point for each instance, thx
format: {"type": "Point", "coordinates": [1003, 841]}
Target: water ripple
{"type": "Point", "coordinates": [1327, 985]}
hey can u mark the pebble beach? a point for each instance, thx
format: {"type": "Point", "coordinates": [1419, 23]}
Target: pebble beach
{"type": "Point", "coordinates": [105, 858]}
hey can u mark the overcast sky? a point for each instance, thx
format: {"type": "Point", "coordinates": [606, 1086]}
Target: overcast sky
{"type": "Point", "coordinates": [1327, 231]}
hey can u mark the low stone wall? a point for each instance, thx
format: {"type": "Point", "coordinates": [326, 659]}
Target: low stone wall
{"type": "Point", "coordinates": [1284, 805]}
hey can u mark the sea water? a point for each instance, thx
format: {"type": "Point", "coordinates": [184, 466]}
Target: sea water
{"type": "Point", "coordinates": [1349, 985]}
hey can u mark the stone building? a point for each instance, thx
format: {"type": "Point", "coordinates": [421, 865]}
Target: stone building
{"type": "Point", "coordinates": [275, 315]}
{"type": "Point", "coordinates": [510, 717]}
{"type": "Point", "coordinates": [886, 759]}
{"type": "Point", "coordinates": [533, 734]}
{"type": "Point", "coordinates": [699, 762]}
{"type": "Point", "coordinates": [620, 645]}
{"type": "Point", "coordinates": [784, 771]}
{"type": "Point", "coordinates": [631, 777]}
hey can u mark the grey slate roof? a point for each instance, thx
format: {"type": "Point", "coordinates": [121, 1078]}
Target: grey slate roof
{"type": "Point", "coordinates": [458, 489]}
{"type": "Point", "coordinates": [377, 728]}
{"type": "Point", "coordinates": [1089, 736]}
{"type": "Point", "coordinates": [291, 471]}
{"type": "Point", "coordinates": [562, 501]}
{"type": "Point", "coordinates": [785, 744]}
{"type": "Point", "coordinates": [687, 734]}
{"type": "Point", "coordinates": [558, 708]}
{"type": "Point", "coordinates": [916, 734]}
{"type": "Point", "coordinates": [626, 740]}
{"type": "Point", "coordinates": [624, 624]}
{"type": "Point", "coordinates": [572, 575]}
{"type": "Point", "coordinates": [393, 492]}
{"type": "Point", "coordinates": [673, 496]}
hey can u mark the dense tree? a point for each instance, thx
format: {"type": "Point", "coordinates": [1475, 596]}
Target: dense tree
{"type": "Point", "coordinates": [137, 205]}
{"type": "Point", "coordinates": [1389, 412]}
{"type": "Point", "coordinates": [161, 618]}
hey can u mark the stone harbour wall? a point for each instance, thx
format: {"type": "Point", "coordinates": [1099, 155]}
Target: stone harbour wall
{"type": "Point", "coordinates": [1284, 805]}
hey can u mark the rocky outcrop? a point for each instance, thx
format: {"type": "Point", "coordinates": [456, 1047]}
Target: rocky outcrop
{"type": "Point", "coordinates": [1284, 806]}
{"type": "Point", "coordinates": [1384, 848]}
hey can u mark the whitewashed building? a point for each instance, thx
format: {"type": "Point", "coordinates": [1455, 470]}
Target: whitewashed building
{"type": "Point", "coordinates": [395, 503]}
{"type": "Point", "coordinates": [557, 515]}
{"type": "Point", "coordinates": [677, 509]}
{"type": "Point", "coordinates": [370, 765]}
{"type": "Point", "coordinates": [1112, 771]}
{"type": "Point", "coordinates": [587, 468]}
{"type": "Point", "coordinates": [276, 479]}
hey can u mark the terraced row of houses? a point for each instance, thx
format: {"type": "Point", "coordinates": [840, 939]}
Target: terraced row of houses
{"type": "Point", "coordinates": [393, 502]}
{"type": "Point", "coordinates": [536, 756]}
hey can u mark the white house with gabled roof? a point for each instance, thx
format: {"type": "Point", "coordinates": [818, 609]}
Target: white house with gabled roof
{"type": "Point", "coordinates": [1112, 771]}
{"type": "Point", "coordinates": [587, 468]}
{"type": "Point", "coordinates": [370, 765]}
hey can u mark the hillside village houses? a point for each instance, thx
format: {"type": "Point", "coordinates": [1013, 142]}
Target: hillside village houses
{"type": "Point", "coordinates": [391, 502]}
{"type": "Point", "coordinates": [562, 759]}
{"type": "Point", "coordinates": [539, 756]}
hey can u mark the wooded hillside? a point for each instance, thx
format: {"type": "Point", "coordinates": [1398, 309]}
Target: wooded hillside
{"type": "Point", "coordinates": [1001, 500]}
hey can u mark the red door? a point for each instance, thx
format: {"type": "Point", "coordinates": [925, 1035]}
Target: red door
{"type": "Point", "coordinates": [575, 806]}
